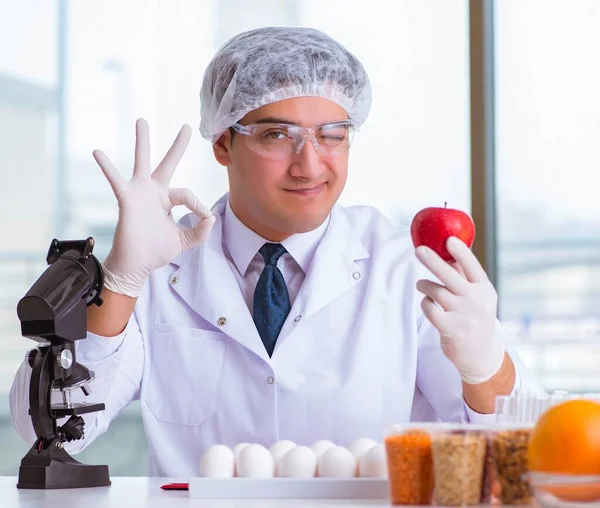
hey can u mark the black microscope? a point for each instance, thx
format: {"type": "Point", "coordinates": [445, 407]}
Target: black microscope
{"type": "Point", "coordinates": [53, 313]}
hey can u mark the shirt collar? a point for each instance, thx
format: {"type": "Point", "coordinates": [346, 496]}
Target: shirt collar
{"type": "Point", "coordinates": [243, 243]}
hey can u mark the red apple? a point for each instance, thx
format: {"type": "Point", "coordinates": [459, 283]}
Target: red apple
{"type": "Point", "coordinates": [434, 225]}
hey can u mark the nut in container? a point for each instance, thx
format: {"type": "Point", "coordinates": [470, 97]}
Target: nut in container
{"type": "Point", "coordinates": [509, 444]}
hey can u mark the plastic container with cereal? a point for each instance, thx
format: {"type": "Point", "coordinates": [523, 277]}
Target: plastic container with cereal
{"type": "Point", "coordinates": [460, 465]}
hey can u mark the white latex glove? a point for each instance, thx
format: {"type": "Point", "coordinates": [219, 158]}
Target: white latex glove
{"type": "Point", "coordinates": [146, 236]}
{"type": "Point", "coordinates": [464, 311]}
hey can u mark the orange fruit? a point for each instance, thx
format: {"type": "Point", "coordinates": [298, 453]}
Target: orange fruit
{"type": "Point", "coordinates": [566, 439]}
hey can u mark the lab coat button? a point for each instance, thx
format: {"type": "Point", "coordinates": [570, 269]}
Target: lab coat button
{"type": "Point", "coordinates": [270, 380]}
{"type": "Point", "coordinates": [222, 321]}
{"type": "Point", "coordinates": [356, 275]}
{"type": "Point", "coordinates": [298, 318]}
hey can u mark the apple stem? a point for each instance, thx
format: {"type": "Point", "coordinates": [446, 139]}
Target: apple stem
{"type": "Point", "coordinates": [445, 204]}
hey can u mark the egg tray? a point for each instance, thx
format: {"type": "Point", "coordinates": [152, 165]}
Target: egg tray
{"type": "Point", "coordinates": [288, 488]}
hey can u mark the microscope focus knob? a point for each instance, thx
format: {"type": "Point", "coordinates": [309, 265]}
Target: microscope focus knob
{"type": "Point", "coordinates": [65, 359]}
{"type": "Point", "coordinates": [31, 357]}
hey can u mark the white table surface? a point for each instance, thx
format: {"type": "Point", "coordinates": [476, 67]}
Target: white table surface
{"type": "Point", "coordinates": [138, 491]}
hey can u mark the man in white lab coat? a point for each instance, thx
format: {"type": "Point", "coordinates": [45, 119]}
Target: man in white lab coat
{"type": "Point", "coordinates": [280, 314]}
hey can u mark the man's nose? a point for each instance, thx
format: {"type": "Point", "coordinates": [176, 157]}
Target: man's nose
{"type": "Point", "coordinates": [307, 162]}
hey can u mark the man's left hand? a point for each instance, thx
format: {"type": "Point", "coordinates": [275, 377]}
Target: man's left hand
{"type": "Point", "coordinates": [463, 310]}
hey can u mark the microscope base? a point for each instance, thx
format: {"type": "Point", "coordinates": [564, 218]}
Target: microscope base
{"type": "Point", "coordinates": [54, 468]}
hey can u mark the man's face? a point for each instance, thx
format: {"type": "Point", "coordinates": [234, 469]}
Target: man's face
{"type": "Point", "coordinates": [294, 194]}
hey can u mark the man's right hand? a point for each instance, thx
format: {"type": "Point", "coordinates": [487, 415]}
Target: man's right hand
{"type": "Point", "coordinates": [146, 236]}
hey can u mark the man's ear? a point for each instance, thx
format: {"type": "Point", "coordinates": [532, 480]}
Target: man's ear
{"type": "Point", "coordinates": [222, 149]}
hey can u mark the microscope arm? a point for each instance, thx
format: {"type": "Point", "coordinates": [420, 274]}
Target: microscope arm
{"type": "Point", "coordinates": [40, 394]}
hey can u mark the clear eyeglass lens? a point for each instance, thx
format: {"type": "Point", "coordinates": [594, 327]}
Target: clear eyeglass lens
{"type": "Point", "coordinates": [280, 140]}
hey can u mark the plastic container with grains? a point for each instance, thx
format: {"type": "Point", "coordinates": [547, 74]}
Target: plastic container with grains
{"type": "Point", "coordinates": [509, 444]}
{"type": "Point", "coordinates": [410, 464]}
{"type": "Point", "coordinates": [459, 459]}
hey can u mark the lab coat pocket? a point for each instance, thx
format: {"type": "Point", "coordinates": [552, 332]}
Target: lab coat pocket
{"type": "Point", "coordinates": [185, 370]}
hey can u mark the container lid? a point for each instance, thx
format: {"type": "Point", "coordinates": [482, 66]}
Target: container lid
{"type": "Point", "coordinates": [526, 407]}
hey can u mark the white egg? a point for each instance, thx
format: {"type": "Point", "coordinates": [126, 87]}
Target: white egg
{"type": "Point", "coordinates": [217, 461]}
{"type": "Point", "coordinates": [278, 450]}
{"type": "Point", "coordinates": [320, 447]}
{"type": "Point", "coordinates": [361, 446]}
{"type": "Point", "coordinates": [299, 462]}
{"type": "Point", "coordinates": [255, 461]}
{"type": "Point", "coordinates": [238, 448]}
{"type": "Point", "coordinates": [337, 462]}
{"type": "Point", "coordinates": [373, 464]}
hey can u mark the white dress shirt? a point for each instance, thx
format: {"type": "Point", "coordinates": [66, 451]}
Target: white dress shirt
{"type": "Point", "coordinates": [241, 245]}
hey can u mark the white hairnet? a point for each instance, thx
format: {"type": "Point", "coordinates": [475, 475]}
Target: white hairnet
{"type": "Point", "coordinates": [270, 64]}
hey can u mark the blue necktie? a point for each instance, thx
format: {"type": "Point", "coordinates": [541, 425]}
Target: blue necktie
{"type": "Point", "coordinates": [271, 298]}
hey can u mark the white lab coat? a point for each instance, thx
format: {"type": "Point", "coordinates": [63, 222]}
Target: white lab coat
{"type": "Point", "coordinates": [355, 355]}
